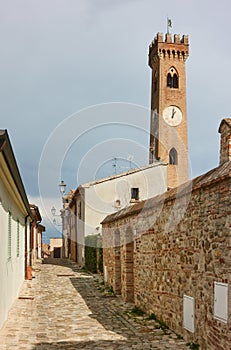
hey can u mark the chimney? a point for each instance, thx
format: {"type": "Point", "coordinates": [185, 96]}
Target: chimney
{"type": "Point", "coordinates": [225, 145]}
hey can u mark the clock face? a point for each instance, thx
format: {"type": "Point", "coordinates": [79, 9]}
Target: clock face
{"type": "Point", "coordinates": [172, 115]}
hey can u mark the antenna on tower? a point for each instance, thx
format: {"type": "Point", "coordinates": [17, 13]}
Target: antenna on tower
{"type": "Point", "coordinates": [114, 165]}
{"type": "Point", "coordinates": [130, 159]}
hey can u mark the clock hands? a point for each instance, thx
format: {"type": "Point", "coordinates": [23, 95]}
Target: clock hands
{"type": "Point", "coordinates": [173, 113]}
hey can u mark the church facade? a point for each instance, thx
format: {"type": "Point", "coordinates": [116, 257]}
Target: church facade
{"type": "Point", "coordinates": [170, 254]}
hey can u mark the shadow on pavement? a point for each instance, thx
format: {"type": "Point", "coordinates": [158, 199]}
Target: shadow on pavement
{"type": "Point", "coordinates": [104, 308]}
{"type": "Point", "coordinates": [88, 345]}
{"type": "Point", "coordinates": [61, 262]}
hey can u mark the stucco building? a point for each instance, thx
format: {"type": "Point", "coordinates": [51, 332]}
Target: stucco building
{"type": "Point", "coordinates": [56, 247]}
{"type": "Point", "coordinates": [15, 220]}
{"type": "Point", "coordinates": [36, 234]}
{"type": "Point", "coordinates": [20, 229]}
{"type": "Point", "coordinates": [92, 201]}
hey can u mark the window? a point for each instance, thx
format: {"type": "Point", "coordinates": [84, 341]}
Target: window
{"type": "Point", "coordinates": [9, 234]}
{"type": "Point", "coordinates": [18, 237]}
{"type": "Point", "coordinates": [175, 81]}
{"type": "Point", "coordinates": [172, 79]}
{"type": "Point", "coordinates": [173, 157]}
{"type": "Point", "coordinates": [135, 193]}
{"type": "Point", "coordinates": [79, 210]}
{"type": "Point", "coordinates": [169, 80]}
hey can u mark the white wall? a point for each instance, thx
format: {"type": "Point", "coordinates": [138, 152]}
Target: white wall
{"type": "Point", "coordinates": [100, 198]}
{"type": "Point", "coordinates": [11, 268]}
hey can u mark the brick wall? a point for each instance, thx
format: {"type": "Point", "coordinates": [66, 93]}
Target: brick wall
{"type": "Point", "coordinates": [181, 244]}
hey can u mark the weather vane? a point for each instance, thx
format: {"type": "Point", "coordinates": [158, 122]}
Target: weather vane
{"type": "Point", "coordinates": [169, 25]}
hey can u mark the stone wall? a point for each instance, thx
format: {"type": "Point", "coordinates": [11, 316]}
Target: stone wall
{"type": "Point", "coordinates": [181, 245]}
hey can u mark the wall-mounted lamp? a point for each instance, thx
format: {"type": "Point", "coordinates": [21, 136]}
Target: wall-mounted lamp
{"type": "Point", "coordinates": [62, 187]}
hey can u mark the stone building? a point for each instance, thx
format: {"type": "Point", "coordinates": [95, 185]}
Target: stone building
{"type": "Point", "coordinates": [171, 254]}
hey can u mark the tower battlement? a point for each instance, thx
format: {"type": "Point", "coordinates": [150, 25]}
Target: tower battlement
{"type": "Point", "coordinates": [175, 47]}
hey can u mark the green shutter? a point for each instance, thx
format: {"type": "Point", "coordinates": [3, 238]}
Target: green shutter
{"type": "Point", "coordinates": [9, 234]}
{"type": "Point", "coordinates": [18, 237]}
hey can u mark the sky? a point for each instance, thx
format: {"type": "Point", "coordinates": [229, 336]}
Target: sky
{"type": "Point", "coordinates": [75, 86]}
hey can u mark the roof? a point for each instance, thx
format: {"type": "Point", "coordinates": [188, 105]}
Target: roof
{"type": "Point", "coordinates": [35, 211]}
{"type": "Point", "coordinates": [225, 121]}
{"type": "Point", "coordinates": [41, 228]}
{"type": "Point", "coordinates": [116, 176]}
{"type": "Point", "coordinates": [213, 176]}
{"type": "Point", "coordinates": [8, 154]}
{"type": "Point", "coordinates": [112, 177]}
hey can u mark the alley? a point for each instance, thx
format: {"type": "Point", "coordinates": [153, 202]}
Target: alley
{"type": "Point", "coordinates": [66, 308]}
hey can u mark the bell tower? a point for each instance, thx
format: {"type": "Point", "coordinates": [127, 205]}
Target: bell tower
{"type": "Point", "coordinates": [168, 130]}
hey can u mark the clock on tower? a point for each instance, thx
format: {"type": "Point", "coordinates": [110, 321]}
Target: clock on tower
{"type": "Point", "coordinates": [169, 134]}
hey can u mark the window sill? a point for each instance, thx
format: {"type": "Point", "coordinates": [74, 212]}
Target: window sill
{"type": "Point", "coordinates": [133, 200]}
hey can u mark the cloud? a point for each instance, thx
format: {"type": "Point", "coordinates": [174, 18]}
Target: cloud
{"type": "Point", "coordinates": [58, 57]}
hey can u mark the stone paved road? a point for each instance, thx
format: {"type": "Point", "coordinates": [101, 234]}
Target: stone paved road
{"type": "Point", "coordinates": [66, 308]}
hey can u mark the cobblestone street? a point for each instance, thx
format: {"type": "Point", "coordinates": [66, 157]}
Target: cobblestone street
{"type": "Point", "coordinates": [66, 308]}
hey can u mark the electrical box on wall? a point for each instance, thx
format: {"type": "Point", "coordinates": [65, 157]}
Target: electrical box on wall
{"type": "Point", "coordinates": [188, 313]}
{"type": "Point", "coordinates": [221, 301]}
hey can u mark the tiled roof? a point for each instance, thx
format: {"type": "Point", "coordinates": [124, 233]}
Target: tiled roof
{"type": "Point", "coordinates": [7, 151]}
{"type": "Point", "coordinates": [207, 179]}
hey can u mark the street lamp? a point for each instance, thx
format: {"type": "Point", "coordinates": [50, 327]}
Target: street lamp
{"type": "Point", "coordinates": [53, 211]}
{"type": "Point", "coordinates": [62, 187]}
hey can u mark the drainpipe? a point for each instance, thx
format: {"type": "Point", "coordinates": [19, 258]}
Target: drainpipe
{"type": "Point", "coordinates": [28, 270]}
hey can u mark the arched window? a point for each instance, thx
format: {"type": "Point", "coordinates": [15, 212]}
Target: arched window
{"type": "Point", "coordinates": [172, 79]}
{"type": "Point", "coordinates": [175, 81]}
{"type": "Point", "coordinates": [169, 80]}
{"type": "Point", "coordinates": [173, 157]}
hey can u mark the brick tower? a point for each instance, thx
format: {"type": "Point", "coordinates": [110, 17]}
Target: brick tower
{"type": "Point", "coordinates": [169, 134]}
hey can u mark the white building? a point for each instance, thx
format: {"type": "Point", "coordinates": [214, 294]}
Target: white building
{"type": "Point", "coordinates": [15, 219]}
{"type": "Point", "coordinates": [56, 246]}
{"type": "Point", "coordinates": [93, 201]}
